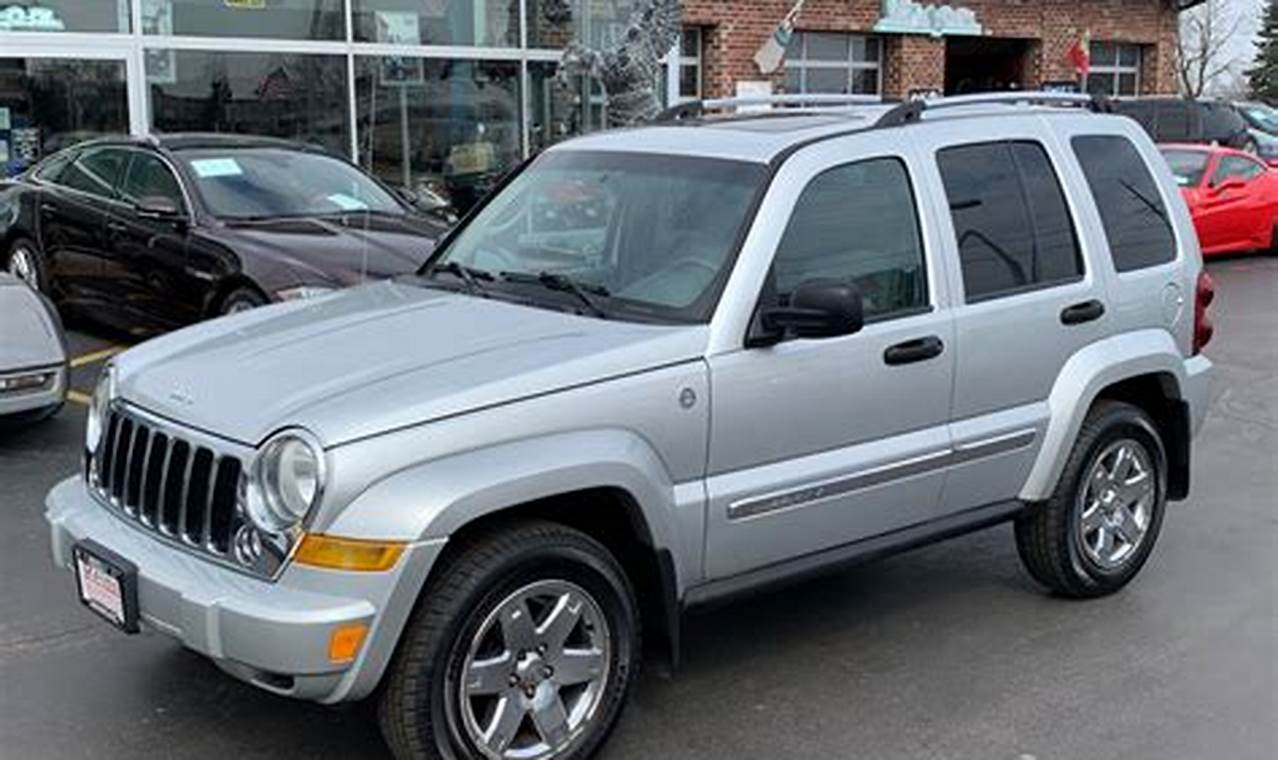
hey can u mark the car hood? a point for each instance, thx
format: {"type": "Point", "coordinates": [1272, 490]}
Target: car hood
{"type": "Point", "coordinates": [338, 250]}
{"type": "Point", "coordinates": [380, 357]}
{"type": "Point", "coordinates": [29, 337]}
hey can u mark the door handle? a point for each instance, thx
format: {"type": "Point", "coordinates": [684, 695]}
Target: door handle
{"type": "Point", "coordinates": [917, 350]}
{"type": "Point", "coordinates": [1082, 312]}
{"type": "Point", "coordinates": [48, 208]}
{"type": "Point", "coordinates": [117, 226]}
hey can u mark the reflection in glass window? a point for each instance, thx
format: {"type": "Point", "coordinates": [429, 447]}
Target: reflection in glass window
{"type": "Point", "coordinates": [54, 103]}
{"type": "Point", "coordinates": [555, 23]}
{"type": "Point", "coordinates": [450, 125]}
{"type": "Point", "coordinates": [1126, 194]}
{"type": "Point", "coordinates": [491, 23]}
{"type": "Point", "coordinates": [149, 177]}
{"type": "Point", "coordinates": [555, 112]}
{"type": "Point", "coordinates": [294, 96]}
{"type": "Point", "coordinates": [64, 16]}
{"type": "Point", "coordinates": [278, 19]}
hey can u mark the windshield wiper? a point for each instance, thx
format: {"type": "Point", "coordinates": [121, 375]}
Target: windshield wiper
{"type": "Point", "coordinates": [564, 284]}
{"type": "Point", "coordinates": [470, 276]}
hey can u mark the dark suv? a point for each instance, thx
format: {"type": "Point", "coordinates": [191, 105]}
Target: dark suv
{"type": "Point", "coordinates": [1181, 120]}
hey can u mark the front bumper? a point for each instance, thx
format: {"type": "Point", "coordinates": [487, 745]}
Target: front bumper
{"type": "Point", "coordinates": [274, 635]}
{"type": "Point", "coordinates": [51, 393]}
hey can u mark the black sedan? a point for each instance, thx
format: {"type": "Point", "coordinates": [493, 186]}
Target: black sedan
{"type": "Point", "coordinates": [151, 233]}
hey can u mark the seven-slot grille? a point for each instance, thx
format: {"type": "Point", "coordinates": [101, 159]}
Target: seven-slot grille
{"type": "Point", "coordinates": [178, 488]}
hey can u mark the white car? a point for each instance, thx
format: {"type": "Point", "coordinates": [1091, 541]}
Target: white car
{"type": "Point", "coordinates": [33, 354]}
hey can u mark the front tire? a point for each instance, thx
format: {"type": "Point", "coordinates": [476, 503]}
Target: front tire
{"type": "Point", "coordinates": [239, 300]}
{"type": "Point", "coordinates": [526, 645]}
{"type": "Point", "coordinates": [1097, 529]}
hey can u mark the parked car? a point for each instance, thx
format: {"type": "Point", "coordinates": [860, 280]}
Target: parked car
{"type": "Point", "coordinates": [763, 345]}
{"type": "Point", "coordinates": [1259, 116]}
{"type": "Point", "coordinates": [154, 233]}
{"type": "Point", "coordinates": [1180, 120]}
{"type": "Point", "coordinates": [1232, 197]}
{"type": "Point", "coordinates": [33, 354]}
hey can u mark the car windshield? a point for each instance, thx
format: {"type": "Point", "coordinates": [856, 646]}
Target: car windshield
{"type": "Point", "coordinates": [1187, 166]}
{"type": "Point", "coordinates": [1262, 116]}
{"type": "Point", "coordinates": [271, 183]}
{"type": "Point", "coordinates": [645, 235]}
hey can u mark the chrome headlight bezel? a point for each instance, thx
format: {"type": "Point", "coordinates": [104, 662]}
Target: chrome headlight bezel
{"type": "Point", "coordinates": [274, 501]}
{"type": "Point", "coordinates": [99, 404]}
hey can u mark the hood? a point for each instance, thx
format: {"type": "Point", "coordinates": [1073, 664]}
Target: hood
{"type": "Point", "coordinates": [379, 357]}
{"type": "Point", "coordinates": [29, 336]}
{"type": "Point", "coordinates": [340, 250]}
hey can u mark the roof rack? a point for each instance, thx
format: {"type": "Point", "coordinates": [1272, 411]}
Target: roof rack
{"type": "Point", "coordinates": [912, 111]}
{"type": "Point", "coordinates": [694, 109]}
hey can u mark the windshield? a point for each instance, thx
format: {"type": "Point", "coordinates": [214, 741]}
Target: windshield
{"type": "Point", "coordinates": [648, 233]}
{"type": "Point", "coordinates": [1262, 116]}
{"type": "Point", "coordinates": [268, 183]}
{"type": "Point", "coordinates": [1187, 165]}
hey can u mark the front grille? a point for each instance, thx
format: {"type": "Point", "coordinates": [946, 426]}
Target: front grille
{"type": "Point", "coordinates": [171, 484]}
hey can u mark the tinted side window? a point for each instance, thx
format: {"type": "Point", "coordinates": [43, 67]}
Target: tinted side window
{"type": "Point", "coordinates": [95, 172]}
{"type": "Point", "coordinates": [1131, 209]}
{"type": "Point", "coordinates": [857, 223]}
{"type": "Point", "coordinates": [1013, 227]}
{"type": "Point", "coordinates": [149, 176]}
{"type": "Point", "coordinates": [1175, 122]}
{"type": "Point", "coordinates": [1236, 167]}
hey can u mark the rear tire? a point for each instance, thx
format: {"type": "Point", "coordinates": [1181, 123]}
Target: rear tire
{"type": "Point", "coordinates": [25, 261]}
{"type": "Point", "coordinates": [437, 700]}
{"type": "Point", "coordinates": [1097, 529]}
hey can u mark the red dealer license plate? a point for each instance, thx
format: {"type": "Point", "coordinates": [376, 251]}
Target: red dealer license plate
{"type": "Point", "coordinates": [107, 584]}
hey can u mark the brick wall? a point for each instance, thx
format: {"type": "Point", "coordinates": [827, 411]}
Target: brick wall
{"type": "Point", "coordinates": [734, 29]}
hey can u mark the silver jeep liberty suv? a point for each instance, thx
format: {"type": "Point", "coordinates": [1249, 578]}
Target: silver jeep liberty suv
{"type": "Point", "coordinates": [656, 367]}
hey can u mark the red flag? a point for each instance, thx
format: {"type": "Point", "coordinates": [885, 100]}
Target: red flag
{"type": "Point", "coordinates": [1079, 54]}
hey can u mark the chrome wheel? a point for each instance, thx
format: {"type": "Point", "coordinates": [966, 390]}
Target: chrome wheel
{"type": "Point", "coordinates": [22, 264]}
{"type": "Point", "coordinates": [1117, 503]}
{"type": "Point", "coordinates": [536, 672]}
{"type": "Point", "coordinates": [238, 306]}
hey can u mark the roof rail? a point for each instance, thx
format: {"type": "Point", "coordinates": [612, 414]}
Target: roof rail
{"type": "Point", "coordinates": [912, 111]}
{"type": "Point", "coordinates": [697, 108]}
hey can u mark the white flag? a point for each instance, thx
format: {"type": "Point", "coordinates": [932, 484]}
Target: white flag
{"type": "Point", "coordinates": [772, 52]}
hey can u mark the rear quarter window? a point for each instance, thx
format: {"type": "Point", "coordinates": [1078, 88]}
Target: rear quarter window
{"type": "Point", "coordinates": [1131, 209]}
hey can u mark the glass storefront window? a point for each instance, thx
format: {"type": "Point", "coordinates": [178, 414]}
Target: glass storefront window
{"type": "Point", "coordinates": [278, 19]}
{"type": "Point", "coordinates": [451, 126]}
{"type": "Point", "coordinates": [555, 112]}
{"type": "Point", "coordinates": [64, 16]}
{"type": "Point", "coordinates": [555, 23]}
{"type": "Point", "coordinates": [295, 96]}
{"type": "Point", "coordinates": [490, 23]}
{"type": "Point", "coordinates": [50, 104]}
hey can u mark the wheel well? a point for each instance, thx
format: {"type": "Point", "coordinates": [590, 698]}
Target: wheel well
{"type": "Point", "coordinates": [612, 517]}
{"type": "Point", "coordinates": [1158, 394]}
{"type": "Point", "coordinates": [224, 289]}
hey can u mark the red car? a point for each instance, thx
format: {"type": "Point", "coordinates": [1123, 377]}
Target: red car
{"type": "Point", "coordinates": [1232, 196]}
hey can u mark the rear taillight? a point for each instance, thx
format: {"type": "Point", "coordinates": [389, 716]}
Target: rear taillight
{"type": "Point", "coordinates": [1204, 294]}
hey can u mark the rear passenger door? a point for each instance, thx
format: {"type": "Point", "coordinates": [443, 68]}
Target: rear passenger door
{"type": "Point", "coordinates": [1027, 303]}
{"type": "Point", "coordinates": [73, 217]}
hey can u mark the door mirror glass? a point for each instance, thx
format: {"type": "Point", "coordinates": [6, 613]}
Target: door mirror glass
{"type": "Point", "coordinates": [158, 207]}
{"type": "Point", "coordinates": [819, 308]}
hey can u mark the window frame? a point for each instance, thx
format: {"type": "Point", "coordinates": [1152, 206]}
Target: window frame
{"type": "Point", "coordinates": [696, 62]}
{"type": "Point", "coordinates": [1070, 211]}
{"type": "Point", "coordinates": [86, 152]}
{"type": "Point", "coordinates": [769, 286]}
{"type": "Point", "coordinates": [1216, 177]}
{"type": "Point", "coordinates": [802, 64]}
{"type": "Point", "coordinates": [1117, 69]}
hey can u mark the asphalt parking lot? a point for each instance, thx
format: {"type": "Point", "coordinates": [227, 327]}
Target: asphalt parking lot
{"type": "Point", "coordinates": [945, 652]}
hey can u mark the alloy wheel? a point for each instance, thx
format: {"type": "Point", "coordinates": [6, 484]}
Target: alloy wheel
{"type": "Point", "coordinates": [1117, 503]}
{"type": "Point", "coordinates": [536, 672]}
{"type": "Point", "coordinates": [22, 264]}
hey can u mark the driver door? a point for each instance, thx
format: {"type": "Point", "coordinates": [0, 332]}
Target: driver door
{"type": "Point", "coordinates": [817, 443]}
{"type": "Point", "coordinates": [1231, 216]}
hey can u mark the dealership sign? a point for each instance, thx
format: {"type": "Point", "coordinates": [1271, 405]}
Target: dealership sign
{"type": "Point", "coordinates": [910, 17]}
{"type": "Point", "coordinates": [21, 18]}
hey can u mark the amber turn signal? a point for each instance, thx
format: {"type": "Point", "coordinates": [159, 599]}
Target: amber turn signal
{"type": "Point", "coordinates": [344, 642]}
{"type": "Point", "coordinates": [355, 554]}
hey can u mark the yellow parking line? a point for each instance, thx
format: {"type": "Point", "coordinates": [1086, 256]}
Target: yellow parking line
{"type": "Point", "coordinates": [96, 356]}
{"type": "Point", "coordinates": [76, 397]}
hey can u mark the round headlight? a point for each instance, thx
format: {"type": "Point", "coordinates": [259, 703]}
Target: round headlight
{"type": "Point", "coordinates": [287, 480]}
{"type": "Point", "coordinates": [95, 421]}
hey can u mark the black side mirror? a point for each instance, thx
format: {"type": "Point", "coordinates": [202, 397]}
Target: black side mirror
{"type": "Point", "coordinates": [820, 308]}
{"type": "Point", "coordinates": [159, 207]}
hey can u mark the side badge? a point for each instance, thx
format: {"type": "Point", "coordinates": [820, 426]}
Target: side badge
{"type": "Point", "coordinates": [687, 398]}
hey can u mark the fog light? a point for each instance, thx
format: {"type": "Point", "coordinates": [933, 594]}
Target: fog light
{"type": "Point", "coordinates": [344, 642]}
{"type": "Point", "coordinates": [18, 383]}
{"type": "Point", "coordinates": [334, 553]}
